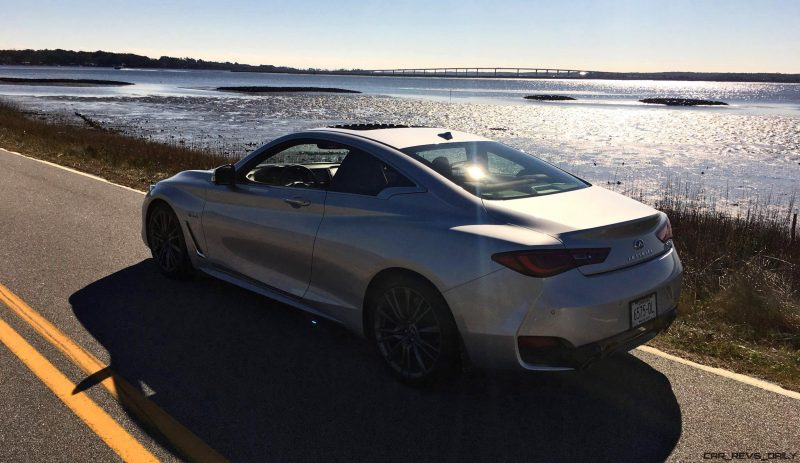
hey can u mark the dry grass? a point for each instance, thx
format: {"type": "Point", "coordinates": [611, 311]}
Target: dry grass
{"type": "Point", "coordinates": [740, 308]}
{"type": "Point", "coordinates": [122, 159]}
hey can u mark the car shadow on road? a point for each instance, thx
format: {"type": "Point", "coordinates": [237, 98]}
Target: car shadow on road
{"type": "Point", "coordinates": [260, 381]}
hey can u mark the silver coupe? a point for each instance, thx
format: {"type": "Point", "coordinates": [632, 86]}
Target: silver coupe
{"type": "Point", "coordinates": [438, 246]}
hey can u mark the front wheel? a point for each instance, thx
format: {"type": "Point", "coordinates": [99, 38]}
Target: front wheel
{"type": "Point", "coordinates": [413, 330]}
{"type": "Point", "coordinates": [167, 245]}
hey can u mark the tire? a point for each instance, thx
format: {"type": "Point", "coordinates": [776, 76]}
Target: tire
{"type": "Point", "coordinates": [413, 330]}
{"type": "Point", "coordinates": [166, 241]}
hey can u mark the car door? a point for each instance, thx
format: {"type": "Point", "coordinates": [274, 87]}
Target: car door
{"type": "Point", "coordinates": [368, 210]}
{"type": "Point", "coordinates": [264, 226]}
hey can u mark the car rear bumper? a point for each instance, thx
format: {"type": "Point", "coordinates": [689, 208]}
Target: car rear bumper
{"type": "Point", "coordinates": [564, 355]}
{"type": "Point", "coordinates": [589, 315]}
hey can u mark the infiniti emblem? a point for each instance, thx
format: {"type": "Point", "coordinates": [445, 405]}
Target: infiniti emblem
{"type": "Point", "coordinates": [638, 244]}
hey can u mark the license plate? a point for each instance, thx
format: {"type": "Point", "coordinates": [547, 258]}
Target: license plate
{"type": "Point", "coordinates": [643, 310]}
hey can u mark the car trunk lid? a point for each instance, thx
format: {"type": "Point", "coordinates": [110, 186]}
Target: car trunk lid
{"type": "Point", "coordinates": [590, 218]}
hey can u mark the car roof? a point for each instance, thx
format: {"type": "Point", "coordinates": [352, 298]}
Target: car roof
{"type": "Point", "coordinates": [400, 137]}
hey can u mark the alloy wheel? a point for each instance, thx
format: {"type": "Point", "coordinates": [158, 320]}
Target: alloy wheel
{"type": "Point", "coordinates": [408, 332]}
{"type": "Point", "coordinates": [166, 240]}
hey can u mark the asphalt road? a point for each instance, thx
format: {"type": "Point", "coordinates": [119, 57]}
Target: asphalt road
{"type": "Point", "coordinates": [258, 381]}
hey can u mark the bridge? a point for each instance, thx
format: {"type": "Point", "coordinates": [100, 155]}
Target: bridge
{"type": "Point", "coordinates": [530, 73]}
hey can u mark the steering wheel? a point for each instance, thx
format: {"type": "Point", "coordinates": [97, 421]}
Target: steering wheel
{"type": "Point", "coordinates": [292, 172]}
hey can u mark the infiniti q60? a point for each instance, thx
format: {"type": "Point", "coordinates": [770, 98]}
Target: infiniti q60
{"type": "Point", "coordinates": [438, 246]}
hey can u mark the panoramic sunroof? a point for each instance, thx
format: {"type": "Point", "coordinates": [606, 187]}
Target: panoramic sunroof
{"type": "Point", "coordinates": [372, 126]}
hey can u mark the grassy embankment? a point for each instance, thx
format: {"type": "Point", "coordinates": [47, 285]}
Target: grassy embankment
{"type": "Point", "coordinates": [121, 159]}
{"type": "Point", "coordinates": [740, 307]}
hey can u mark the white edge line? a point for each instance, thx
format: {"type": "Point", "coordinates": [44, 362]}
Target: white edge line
{"type": "Point", "coordinates": [755, 382]}
{"type": "Point", "coordinates": [74, 171]}
{"type": "Point", "coordinates": [767, 386]}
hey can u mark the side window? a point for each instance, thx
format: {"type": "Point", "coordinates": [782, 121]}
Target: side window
{"type": "Point", "coordinates": [364, 174]}
{"type": "Point", "coordinates": [302, 165]}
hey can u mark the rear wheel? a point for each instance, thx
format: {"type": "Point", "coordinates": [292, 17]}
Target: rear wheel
{"type": "Point", "coordinates": [413, 330]}
{"type": "Point", "coordinates": [167, 245]}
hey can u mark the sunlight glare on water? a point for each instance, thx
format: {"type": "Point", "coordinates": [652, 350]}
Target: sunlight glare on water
{"type": "Point", "coordinates": [738, 152]}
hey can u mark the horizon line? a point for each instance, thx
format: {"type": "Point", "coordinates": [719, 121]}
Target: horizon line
{"type": "Point", "coordinates": [356, 69]}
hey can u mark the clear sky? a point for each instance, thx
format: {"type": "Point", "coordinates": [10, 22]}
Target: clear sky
{"type": "Point", "coordinates": [612, 35]}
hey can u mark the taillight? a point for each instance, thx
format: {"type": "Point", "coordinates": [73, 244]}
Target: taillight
{"type": "Point", "coordinates": [664, 232]}
{"type": "Point", "coordinates": [549, 262]}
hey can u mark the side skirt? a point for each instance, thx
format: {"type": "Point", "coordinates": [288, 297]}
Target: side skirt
{"type": "Point", "coordinates": [275, 294]}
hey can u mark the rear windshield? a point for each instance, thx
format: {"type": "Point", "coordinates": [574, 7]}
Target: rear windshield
{"type": "Point", "coordinates": [491, 170]}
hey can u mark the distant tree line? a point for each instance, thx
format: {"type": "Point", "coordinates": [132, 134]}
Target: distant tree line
{"type": "Point", "coordinates": [60, 57]}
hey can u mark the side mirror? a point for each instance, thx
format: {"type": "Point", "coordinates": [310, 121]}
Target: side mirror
{"type": "Point", "coordinates": [224, 175]}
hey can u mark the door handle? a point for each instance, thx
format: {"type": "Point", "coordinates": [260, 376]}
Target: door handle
{"type": "Point", "coordinates": [296, 202]}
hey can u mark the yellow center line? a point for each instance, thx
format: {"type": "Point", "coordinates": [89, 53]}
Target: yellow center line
{"type": "Point", "coordinates": [180, 437]}
{"type": "Point", "coordinates": [122, 443]}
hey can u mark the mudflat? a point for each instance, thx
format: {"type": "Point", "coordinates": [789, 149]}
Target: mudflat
{"type": "Point", "coordinates": [62, 82]}
{"type": "Point", "coordinates": [549, 98]}
{"type": "Point", "coordinates": [262, 89]}
{"type": "Point", "coordinates": [682, 102]}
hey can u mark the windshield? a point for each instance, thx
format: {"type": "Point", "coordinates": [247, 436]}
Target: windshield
{"type": "Point", "coordinates": [491, 170]}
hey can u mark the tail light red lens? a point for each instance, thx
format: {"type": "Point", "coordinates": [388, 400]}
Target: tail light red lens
{"type": "Point", "coordinates": [548, 262]}
{"type": "Point", "coordinates": [664, 233]}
